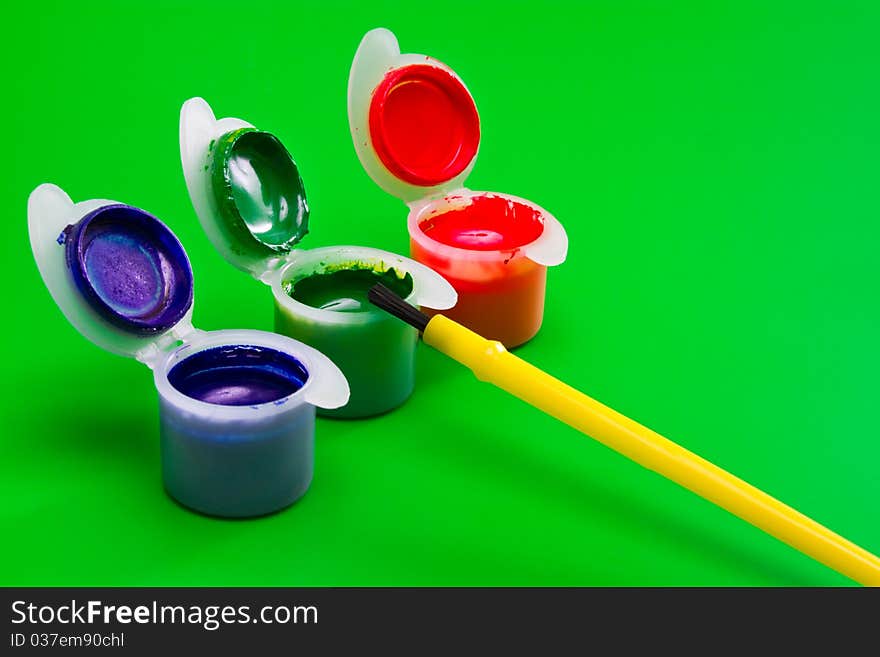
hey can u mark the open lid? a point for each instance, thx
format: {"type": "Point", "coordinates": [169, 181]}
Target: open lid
{"type": "Point", "coordinates": [245, 188]}
{"type": "Point", "coordinates": [119, 275]}
{"type": "Point", "coordinates": [414, 123]}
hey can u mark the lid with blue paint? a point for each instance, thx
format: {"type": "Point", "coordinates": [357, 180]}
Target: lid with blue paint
{"type": "Point", "coordinates": [245, 187]}
{"type": "Point", "coordinates": [120, 276]}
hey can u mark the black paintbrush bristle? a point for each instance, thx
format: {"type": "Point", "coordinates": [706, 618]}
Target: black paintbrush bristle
{"type": "Point", "coordinates": [381, 296]}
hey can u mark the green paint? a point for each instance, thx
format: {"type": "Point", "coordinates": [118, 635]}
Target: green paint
{"type": "Point", "coordinates": [259, 193]}
{"type": "Point", "coordinates": [343, 288]}
{"type": "Point", "coordinates": [376, 355]}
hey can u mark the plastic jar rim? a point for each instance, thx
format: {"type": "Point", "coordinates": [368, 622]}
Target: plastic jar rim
{"type": "Point", "coordinates": [434, 246]}
{"type": "Point", "coordinates": [314, 258]}
{"type": "Point", "coordinates": [307, 356]}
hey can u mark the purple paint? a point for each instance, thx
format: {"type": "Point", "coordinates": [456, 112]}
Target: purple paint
{"type": "Point", "coordinates": [130, 267]}
{"type": "Point", "coordinates": [238, 375]}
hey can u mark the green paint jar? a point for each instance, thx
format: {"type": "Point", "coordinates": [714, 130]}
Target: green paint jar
{"type": "Point", "coordinates": [250, 199]}
{"type": "Point", "coordinates": [322, 299]}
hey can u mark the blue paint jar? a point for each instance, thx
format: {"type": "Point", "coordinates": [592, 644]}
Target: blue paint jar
{"type": "Point", "coordinates": [236, 407]}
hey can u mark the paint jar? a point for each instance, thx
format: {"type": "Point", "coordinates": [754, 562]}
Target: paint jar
{"type": "Point", "coordinates": [236, 408]}
{"type": "Point", "coordinates": [417, 132]}
{"type": "Point", "coordinates": [249, 196]}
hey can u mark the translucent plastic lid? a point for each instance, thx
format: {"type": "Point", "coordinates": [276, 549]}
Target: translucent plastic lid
{"type": "Point", "coordinates": [414, 123]}
{"type": "Point", "coordinates": [245, 188]}
{"type": "Point", "coordinates": [119, 275]}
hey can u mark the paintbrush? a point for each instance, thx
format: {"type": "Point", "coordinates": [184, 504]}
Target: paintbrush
{"type": "Point", "coordinates": [492, 363]}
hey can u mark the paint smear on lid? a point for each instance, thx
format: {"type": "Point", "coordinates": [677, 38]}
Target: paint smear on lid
{"type": "Point", "coordinates": [424, 124]}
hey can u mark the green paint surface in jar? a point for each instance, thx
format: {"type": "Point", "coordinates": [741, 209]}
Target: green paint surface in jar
{"type": "Point", "coordinates": [345, 290]}
{"type": "Point", "coordinates": [375, 351]}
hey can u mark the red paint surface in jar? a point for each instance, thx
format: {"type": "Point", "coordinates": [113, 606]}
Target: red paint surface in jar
{"type": "Point", "coordinates": [424, 124]}
{"type": "Point", "coordinates": [486, 223]}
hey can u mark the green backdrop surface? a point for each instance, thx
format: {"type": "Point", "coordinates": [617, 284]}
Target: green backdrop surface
{"type": "Point", "coordinates": [716, 170]}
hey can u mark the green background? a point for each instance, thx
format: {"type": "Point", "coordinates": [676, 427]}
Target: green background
{"type": "Point", "coordinates": [716, 170]}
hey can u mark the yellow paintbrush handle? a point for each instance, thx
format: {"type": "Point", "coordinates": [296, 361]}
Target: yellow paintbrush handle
{"type": "Point", "coordinates": [492, 363]}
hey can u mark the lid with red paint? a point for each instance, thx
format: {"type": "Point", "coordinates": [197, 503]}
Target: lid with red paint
{"type": "Point", "coordinates": [414, 124]}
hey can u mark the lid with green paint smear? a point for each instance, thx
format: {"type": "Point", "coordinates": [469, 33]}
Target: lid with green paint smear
{"type": "Point", "coordinates": [245, 187]}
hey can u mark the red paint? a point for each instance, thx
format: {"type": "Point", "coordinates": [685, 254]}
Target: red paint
{"type": "Point", "coordinates": [501, 300]}
{"type": "Point", "coordinates": [424, 124]}
{"type": "Point", "coordinates": [500, 295]}
{"type": "Point", "coordinates": [487, 223]}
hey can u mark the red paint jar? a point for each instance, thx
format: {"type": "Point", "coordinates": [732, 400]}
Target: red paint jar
{"type": "Point", "coordinates": [417, 133]}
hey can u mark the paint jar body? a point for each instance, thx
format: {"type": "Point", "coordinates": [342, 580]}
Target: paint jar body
{"type": "Point", "coordinates": [500, 290]}
{"type": "Point", "coordinates": [233, 460]}
{"type": "Point", "coordinates": [500, 299]}
{"type": "Point", "coordinates": [375, 351]}
{"type": "Point", "coordinates": [237, 469]}
{"type": "Point", "coordinates": [377, 357]}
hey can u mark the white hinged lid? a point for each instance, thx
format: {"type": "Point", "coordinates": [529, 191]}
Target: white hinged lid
{"type": "Point", "coordinates": [119, 275]}
{"type": "Point", "coordinates": [244, 186]}
{"type": "Point", "coordinates": [414, 123]}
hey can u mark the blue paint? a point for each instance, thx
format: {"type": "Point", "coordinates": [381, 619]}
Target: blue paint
{"type": "Point", "coordinates": [130, 267]}
{"type": "Point", "coordinates": [238, 375]}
